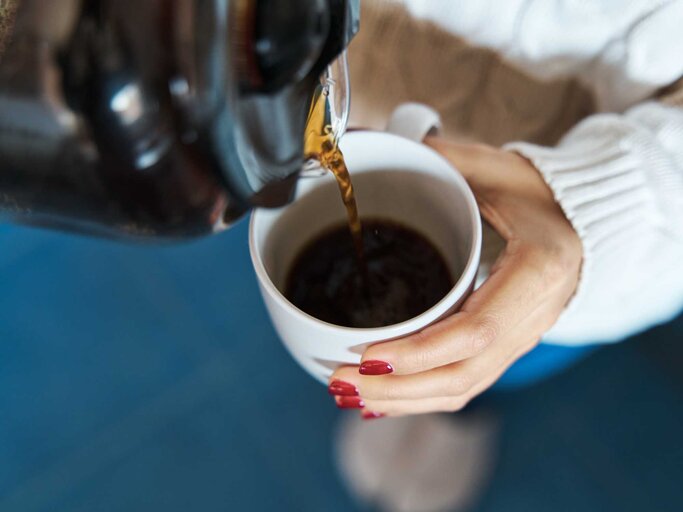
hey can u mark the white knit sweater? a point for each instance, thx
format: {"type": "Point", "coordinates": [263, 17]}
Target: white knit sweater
{"type": "Point", "coordinates": [618, 175]}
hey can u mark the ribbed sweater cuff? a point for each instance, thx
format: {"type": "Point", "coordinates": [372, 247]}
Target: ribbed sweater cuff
{"type": "Point", "coordinates": [599, 182]}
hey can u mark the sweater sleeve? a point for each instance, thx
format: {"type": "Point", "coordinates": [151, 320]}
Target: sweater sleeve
{"type": "Point", "coordinates": [639, 59]}
{"type": "Point", "coordinates": [619, 180]}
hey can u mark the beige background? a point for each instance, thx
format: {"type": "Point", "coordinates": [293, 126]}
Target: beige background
{"type": "Point", "coordinates": [395, 59]}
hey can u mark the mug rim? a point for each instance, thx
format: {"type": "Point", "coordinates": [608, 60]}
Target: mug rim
{"type": "Point", "coordinates": [424, 319]}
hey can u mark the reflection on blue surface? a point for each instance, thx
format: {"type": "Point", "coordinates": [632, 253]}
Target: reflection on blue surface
{"type": "Point", "coordinates": [144, 378]}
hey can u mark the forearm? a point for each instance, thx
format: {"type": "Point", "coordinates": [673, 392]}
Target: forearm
{"type": "Point", "coordinates": [619, 180]}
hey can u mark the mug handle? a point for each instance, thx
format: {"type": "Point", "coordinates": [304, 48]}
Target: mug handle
{"type": "Point", "coordinates": [414, 121]}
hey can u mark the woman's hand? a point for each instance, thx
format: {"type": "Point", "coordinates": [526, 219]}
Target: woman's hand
{"type": "Point", "coordinates": [444, 366]}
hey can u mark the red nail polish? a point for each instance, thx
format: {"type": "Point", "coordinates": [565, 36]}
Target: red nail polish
{"type": "Point", "coordinates": [375, 368]}
{"type": "Point", "coordinates": [341, 388]}
{"type": "Point", "coordinates": [350, 402]}
{"type": "Point", "coordinates": [369, 415]}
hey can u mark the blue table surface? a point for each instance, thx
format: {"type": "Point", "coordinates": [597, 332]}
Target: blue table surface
{"type": "Point", "coordinates": [144, 378]}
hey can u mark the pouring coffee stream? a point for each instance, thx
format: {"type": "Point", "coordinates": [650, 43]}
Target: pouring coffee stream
{"type": "Point", "coordinates": [321, 144]}
{"type": "Point", "coordinates": [387, 273]}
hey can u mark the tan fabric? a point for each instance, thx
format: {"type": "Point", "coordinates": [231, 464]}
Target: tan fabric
{"type": "Point", "coordinates": [396, 58]}
{"type": "Point", "coordinates": [7, 11]}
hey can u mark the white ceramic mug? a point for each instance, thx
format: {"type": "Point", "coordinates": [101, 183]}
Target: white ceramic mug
{"type": "Point", "coordinates": [395, 178]}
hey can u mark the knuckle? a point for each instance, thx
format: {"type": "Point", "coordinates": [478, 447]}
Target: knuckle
{"type": "Point", "coordinates": [481, 148]}
{"type": "Point", "coordinates": [486, 330]}
{"type": "Point", "coordinates": [485, 152]}
{"type": "Point", "coordinates": [533, 253]}
{"type": "Point", "coordinates": [553, 269]}
{"type": "Point", "coordinates": [388, 391]}
{"type": "Point", "coordinates": [551, 263]}
{"type": "Point", "coordinates": [419, 354]}
{"type": "Point", "coordinates": [459, 383]}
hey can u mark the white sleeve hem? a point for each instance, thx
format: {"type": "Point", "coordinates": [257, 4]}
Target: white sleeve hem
{"type": "Point", "coordinates": [619, 187]}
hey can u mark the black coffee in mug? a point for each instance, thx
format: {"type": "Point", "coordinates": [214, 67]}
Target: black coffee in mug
{"type": "Point", "coordinates": [399, 276]}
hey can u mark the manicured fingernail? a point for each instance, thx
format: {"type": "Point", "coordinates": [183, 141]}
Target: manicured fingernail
{"type": "Point", "coordinates": [350, 402]}
{"type": "Point", "coordinates": [341, 388]}
{"type": "Point", "coordinates": [374, 367]}
{"type": "Point", "coordinates": [369, 415]}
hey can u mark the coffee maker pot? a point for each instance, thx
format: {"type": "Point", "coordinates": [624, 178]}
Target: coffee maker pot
{"type": "Point", "coordinates": [159, 118]}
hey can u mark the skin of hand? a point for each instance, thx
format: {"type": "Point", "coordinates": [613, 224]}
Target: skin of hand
{"type": "Point", "coordinates": [444, 366]}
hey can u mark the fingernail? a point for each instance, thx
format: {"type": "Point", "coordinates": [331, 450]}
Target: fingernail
{"type": "Point", "coordinates": [341, 388]}
{"type": "Point", "coordinates": [374, 367]}
{"type": "Point", "coordinates": [350, 402]}
{"type": "Point", "coordinates": [369, 415]}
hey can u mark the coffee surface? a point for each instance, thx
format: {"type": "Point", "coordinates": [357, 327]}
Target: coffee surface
{"type": "Point", "coordinates": [401, 276]}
